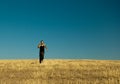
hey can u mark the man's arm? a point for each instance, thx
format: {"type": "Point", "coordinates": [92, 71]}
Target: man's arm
{"type": "Point", "coordinates": [46, 48]}
{"type": "Point", "coordinates": [38, 45]}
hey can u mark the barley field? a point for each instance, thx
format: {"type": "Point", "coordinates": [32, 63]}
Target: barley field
{"type": "Point", "coordinates": [60, 71]}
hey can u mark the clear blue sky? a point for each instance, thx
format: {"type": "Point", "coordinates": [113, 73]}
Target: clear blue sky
{"type": "Point", "coordinates": [83, 29]}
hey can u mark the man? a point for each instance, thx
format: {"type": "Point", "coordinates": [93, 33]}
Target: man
{"type": "Point", "coordinates": [42, 47]}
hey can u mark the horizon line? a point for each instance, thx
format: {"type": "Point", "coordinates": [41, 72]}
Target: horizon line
{"type": "Point", "coordinates": [60, 59]}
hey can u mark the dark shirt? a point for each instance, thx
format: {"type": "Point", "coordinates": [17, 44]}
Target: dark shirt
{"type": "Point", "coordinates": [41, 48]}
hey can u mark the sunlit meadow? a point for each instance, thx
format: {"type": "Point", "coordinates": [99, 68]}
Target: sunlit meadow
{"type": "Point", "coordinates": [59, 71]}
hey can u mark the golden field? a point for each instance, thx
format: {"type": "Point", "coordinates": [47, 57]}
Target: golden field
{"type": "Point", "coordinates": [59, 71]}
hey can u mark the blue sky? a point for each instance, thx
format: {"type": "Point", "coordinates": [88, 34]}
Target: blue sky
{"type": "Point", "coordinates": [72, 29]}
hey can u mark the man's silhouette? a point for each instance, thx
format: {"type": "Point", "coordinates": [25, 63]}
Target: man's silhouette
{"type": "Point", "coordinates": [42, 47]}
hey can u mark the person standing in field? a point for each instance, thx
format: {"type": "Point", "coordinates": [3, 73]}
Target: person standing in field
{"type": "Point", "coordinates": [42, 47]}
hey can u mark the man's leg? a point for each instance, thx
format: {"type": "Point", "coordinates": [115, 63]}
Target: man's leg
{"type": "Point", "coordinates": [39, 58]}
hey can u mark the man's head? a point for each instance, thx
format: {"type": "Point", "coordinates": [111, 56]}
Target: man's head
{"type": "Point", "coordinates": [42, 41]}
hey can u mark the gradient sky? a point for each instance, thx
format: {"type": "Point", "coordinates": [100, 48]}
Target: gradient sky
{"type": "Point", "coordinates": [78, 29]}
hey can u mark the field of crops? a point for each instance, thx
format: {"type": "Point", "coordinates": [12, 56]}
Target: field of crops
{"type": "Point", "coordinates": [58, 71]}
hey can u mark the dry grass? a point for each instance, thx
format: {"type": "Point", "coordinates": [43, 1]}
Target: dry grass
{"type": "Point", "coordinates": [59, 72]}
